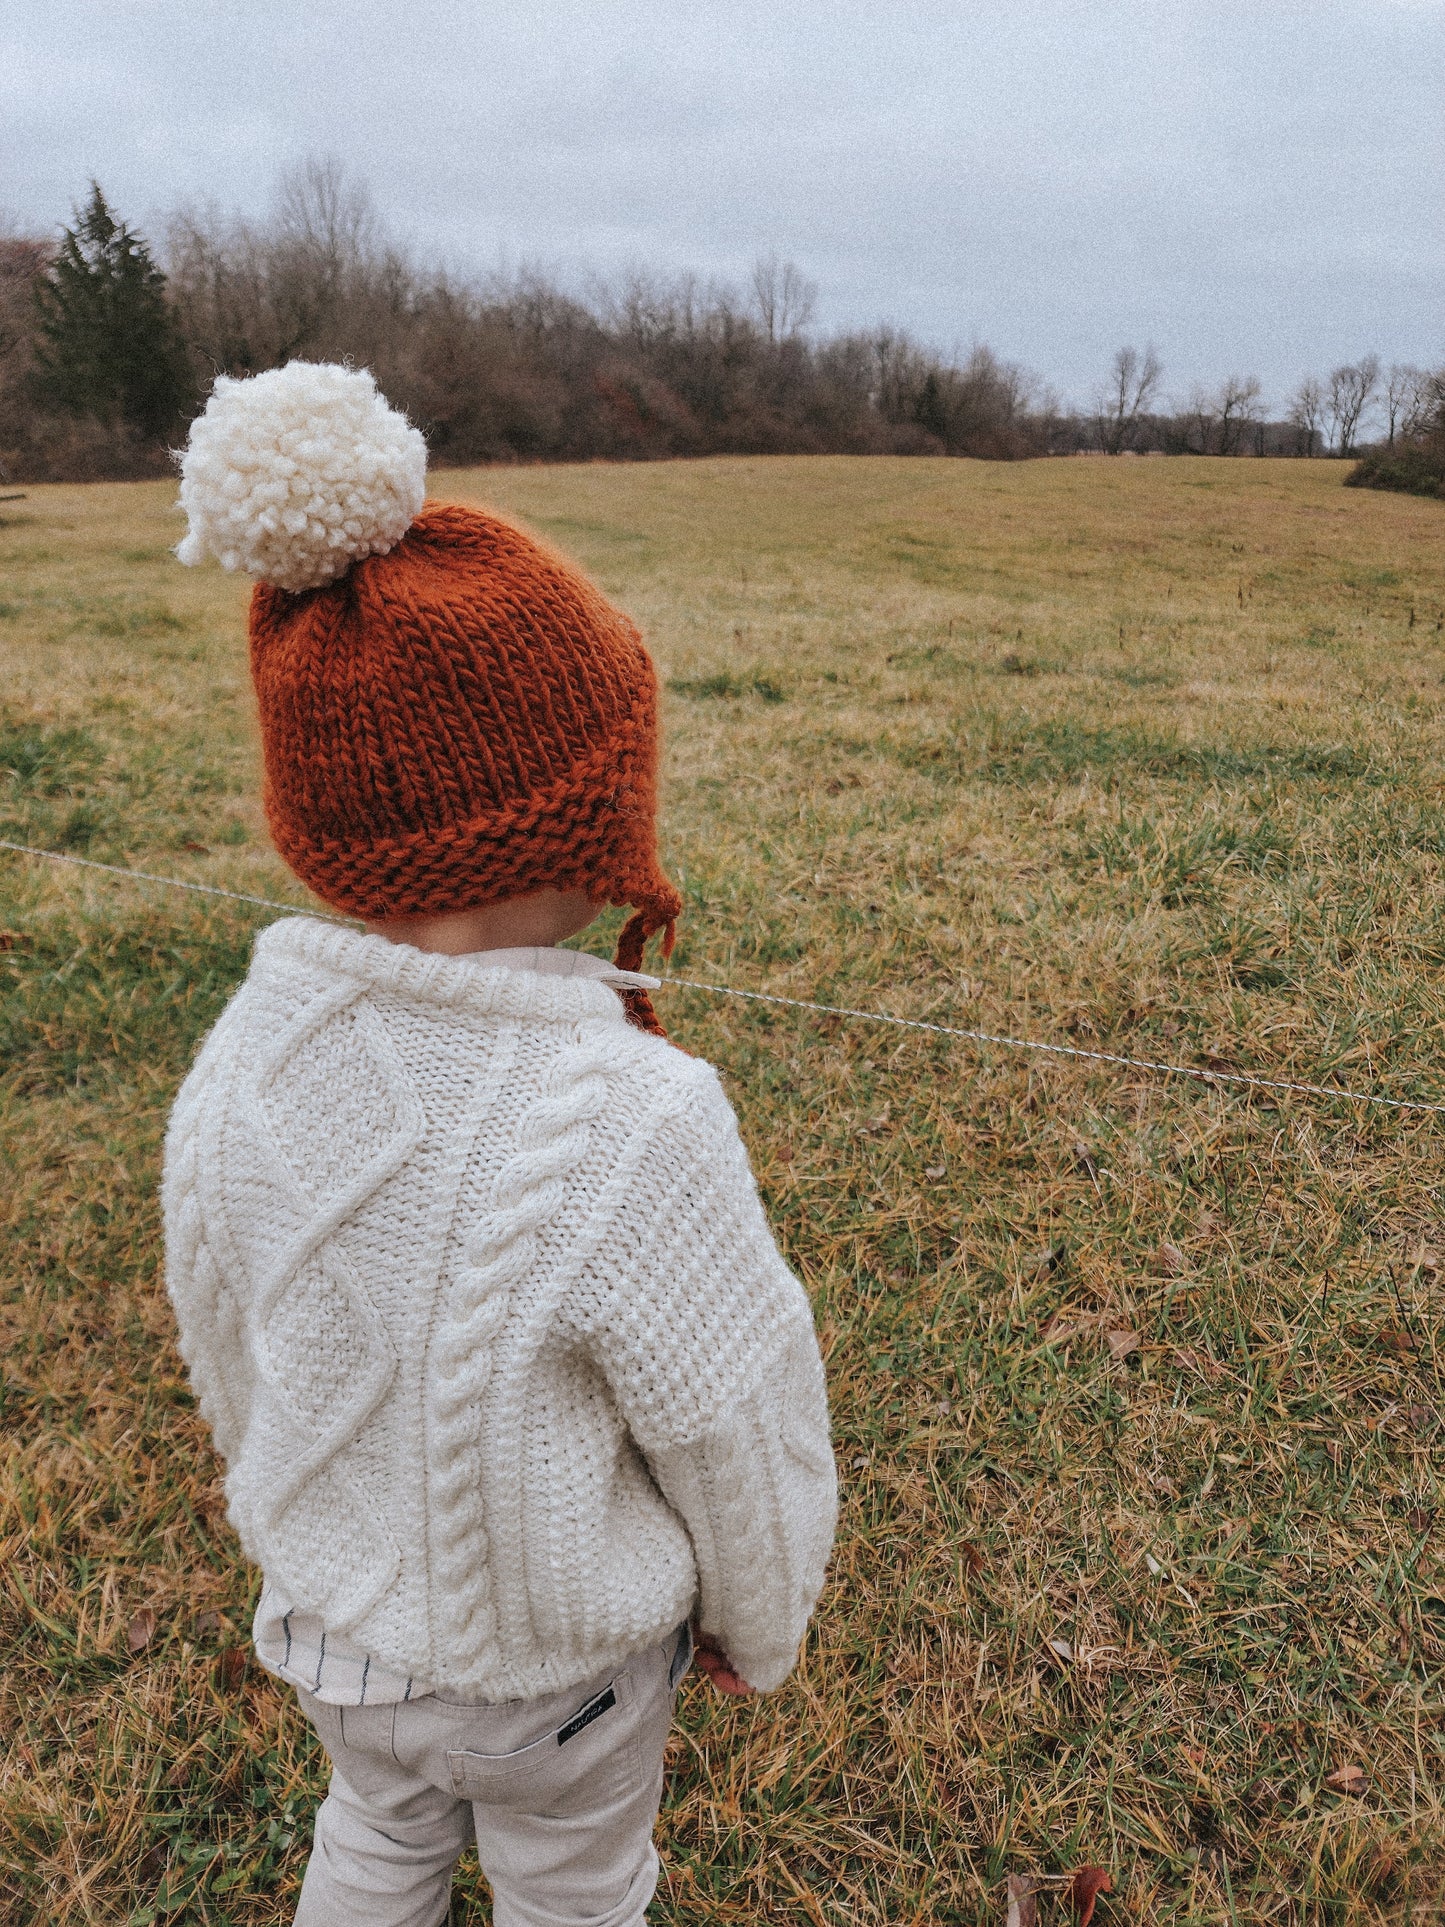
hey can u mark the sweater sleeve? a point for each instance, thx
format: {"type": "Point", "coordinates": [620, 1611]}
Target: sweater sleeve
{"type": "Point", "coordinates": [210, 1327]}
{"type": "Point", "coordinates": [707, 1341]}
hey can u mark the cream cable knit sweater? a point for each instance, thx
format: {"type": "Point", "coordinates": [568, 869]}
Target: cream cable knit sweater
{"type": "Point", "coordinates": [478, 1297]}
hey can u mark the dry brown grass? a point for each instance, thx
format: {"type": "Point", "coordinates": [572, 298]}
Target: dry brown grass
{"type": "Point", "coordinates": [1139, 754]}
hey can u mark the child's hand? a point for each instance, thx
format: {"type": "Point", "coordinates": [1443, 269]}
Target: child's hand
{"type": "Point", "coordinates": [712, 1660]}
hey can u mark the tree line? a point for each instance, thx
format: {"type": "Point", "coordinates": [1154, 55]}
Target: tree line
{"type": "Point", "coordinates": [109, 345]}
{"type": "Point", "coordinates": [1333, 415]}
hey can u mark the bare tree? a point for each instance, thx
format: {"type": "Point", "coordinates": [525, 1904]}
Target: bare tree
{"type": "Point", "coordinates": [22, 261]}
{"type": "Point", "coordinates": [1406, 397]}
{"type": "Point", "coordinates": [651, 311]}
{"type": "Point", "coordinates": [1351, 391]}
{"type": "Point", "coordinates": [326, 215]}
{"type": "Point", "coordinates": [783, 297]}
{"type": "Point", "coordinates": [898, 371]}
{"type": "Point", "coordinates": [1236, 407]}
{"type": "Point", "coordinates": [1427, 422]}
{"type": "Point", "coordinates": [1200, 419]}
{"type": "Point", "coordinates": [318, 278]}
{"type": "Point", "coordinates": [1307, 412]}
{"type": "Point", "coordinates": [1124, 398]}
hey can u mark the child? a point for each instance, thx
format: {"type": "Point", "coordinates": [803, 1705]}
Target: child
{"type": "Point", "coordinates": [472, 1277]}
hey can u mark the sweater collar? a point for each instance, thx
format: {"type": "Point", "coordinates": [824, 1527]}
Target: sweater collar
{"type": "Point", "coordinates": [531, 983]}
{"type": "Point", "coordinates": [552, 962]}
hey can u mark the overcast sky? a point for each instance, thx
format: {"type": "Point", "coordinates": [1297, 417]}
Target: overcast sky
{"type": "Point", "coordinates": [1253, 185]}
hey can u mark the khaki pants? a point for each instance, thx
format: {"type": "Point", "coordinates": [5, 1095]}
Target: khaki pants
{"type": "Point", "coordinates": [559, 1793]}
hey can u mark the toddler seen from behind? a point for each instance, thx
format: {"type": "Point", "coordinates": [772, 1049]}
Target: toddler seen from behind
{"type": "Point", "coordinates": [511, 1385]}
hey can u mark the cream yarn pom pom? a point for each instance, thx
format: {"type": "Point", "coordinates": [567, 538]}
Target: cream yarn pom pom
{"type": "Point", "coordinates": [294, 474]}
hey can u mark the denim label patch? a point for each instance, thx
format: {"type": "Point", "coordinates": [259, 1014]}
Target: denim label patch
{"type": "Point", "coordinates": [593, 1710]}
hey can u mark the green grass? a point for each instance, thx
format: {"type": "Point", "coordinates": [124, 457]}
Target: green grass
{"type": "Point", "coordinates": [1136, 1383]}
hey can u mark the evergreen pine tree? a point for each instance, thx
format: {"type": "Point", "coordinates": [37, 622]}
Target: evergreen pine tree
{"type": "Point", "coordinates": [109, 346]}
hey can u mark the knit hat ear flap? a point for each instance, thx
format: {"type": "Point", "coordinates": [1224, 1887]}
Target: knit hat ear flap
{"type": "Point", "coordinates": [631, 942]}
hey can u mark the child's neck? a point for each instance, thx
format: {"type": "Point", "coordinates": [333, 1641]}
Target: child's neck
{"type": "Point", "coordinates": [541, 919]}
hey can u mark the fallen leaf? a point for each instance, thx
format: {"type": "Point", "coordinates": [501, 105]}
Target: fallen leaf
{"type": "Point", "coordinates": [1153, 1564]}
{"type": "Point", "coordinates": [1121, 1344]}
{"type": "Point", "coordinates": [15, 940]}
{"type": "Point", "coordinates": [198, 849]}
{"type": "Point", "coordinates": [1193, 1361]}
{"type": "Point", "coordinates": [1418, 1519]}
{"type": "Point", "coordinates": [1334, 1452]}
{"type": "Point", "coordinates": [1209, 1222]}
{"type": "Point", "coordinates": [1084, 1889]}
{"type": "Point", "coordinates": [935, 1170]}
{"type": "Point", "coordinates": [1223, 1065]}
{"type": "Point", "coordinates": [232, 1667]}
{"type": "Point", "coordinates": [1195, 1755]}
{"type": "Point", "coordinates": [1348, 1779]}
{"type": "Point", "coordinates": [152, 1863]}
{"type": "Point", "coordinates": [784, 1154]}
{"type": "Point", "coordinates": [1058, 1331]}
{"type": "Point", "coordinates": [1062, 1647]}
{"type": "Point", "coordinates": [1395, 1340]}
{"type": "Point", "coordinates": [141, 1630]}
{"type": "Point", "coordinates": [1023, 1909]}
{"type": "Point", "coordinates": [179, 1777]}
{"type": "Point", "coordinates": [208, 1625]}
{"type": "Point", "coordinates": [1418, 1417]}
{"type": "Point", "coordinates": [972, 1557]}
{"type": "Point", "coordinates": [1085, 1161]}
{"type": "Point", "coordinates": [1172, 1259]}
{"type": "Point", "coordinates": [1049, 1259]}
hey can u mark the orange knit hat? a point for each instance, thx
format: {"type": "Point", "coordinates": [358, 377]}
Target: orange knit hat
{"type": "Point", "coordinates": [450, 714]}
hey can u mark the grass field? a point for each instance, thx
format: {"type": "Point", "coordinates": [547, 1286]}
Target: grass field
{"type": "Point", "coordinates": [1137, 1383]}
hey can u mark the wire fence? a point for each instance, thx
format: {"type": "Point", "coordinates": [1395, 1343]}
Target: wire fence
{"type": "Point", "coordinates": [1336, 1093]}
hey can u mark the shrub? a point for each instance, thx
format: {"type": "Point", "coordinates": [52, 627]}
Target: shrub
{"type": "Point", "coordinates": [1419, 470]}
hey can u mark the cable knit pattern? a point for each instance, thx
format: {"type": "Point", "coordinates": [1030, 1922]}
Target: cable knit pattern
{"type": "Point", "coordinates": [478, 1297]}
{"type": "Point", "coordinates": [526, 1196]}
